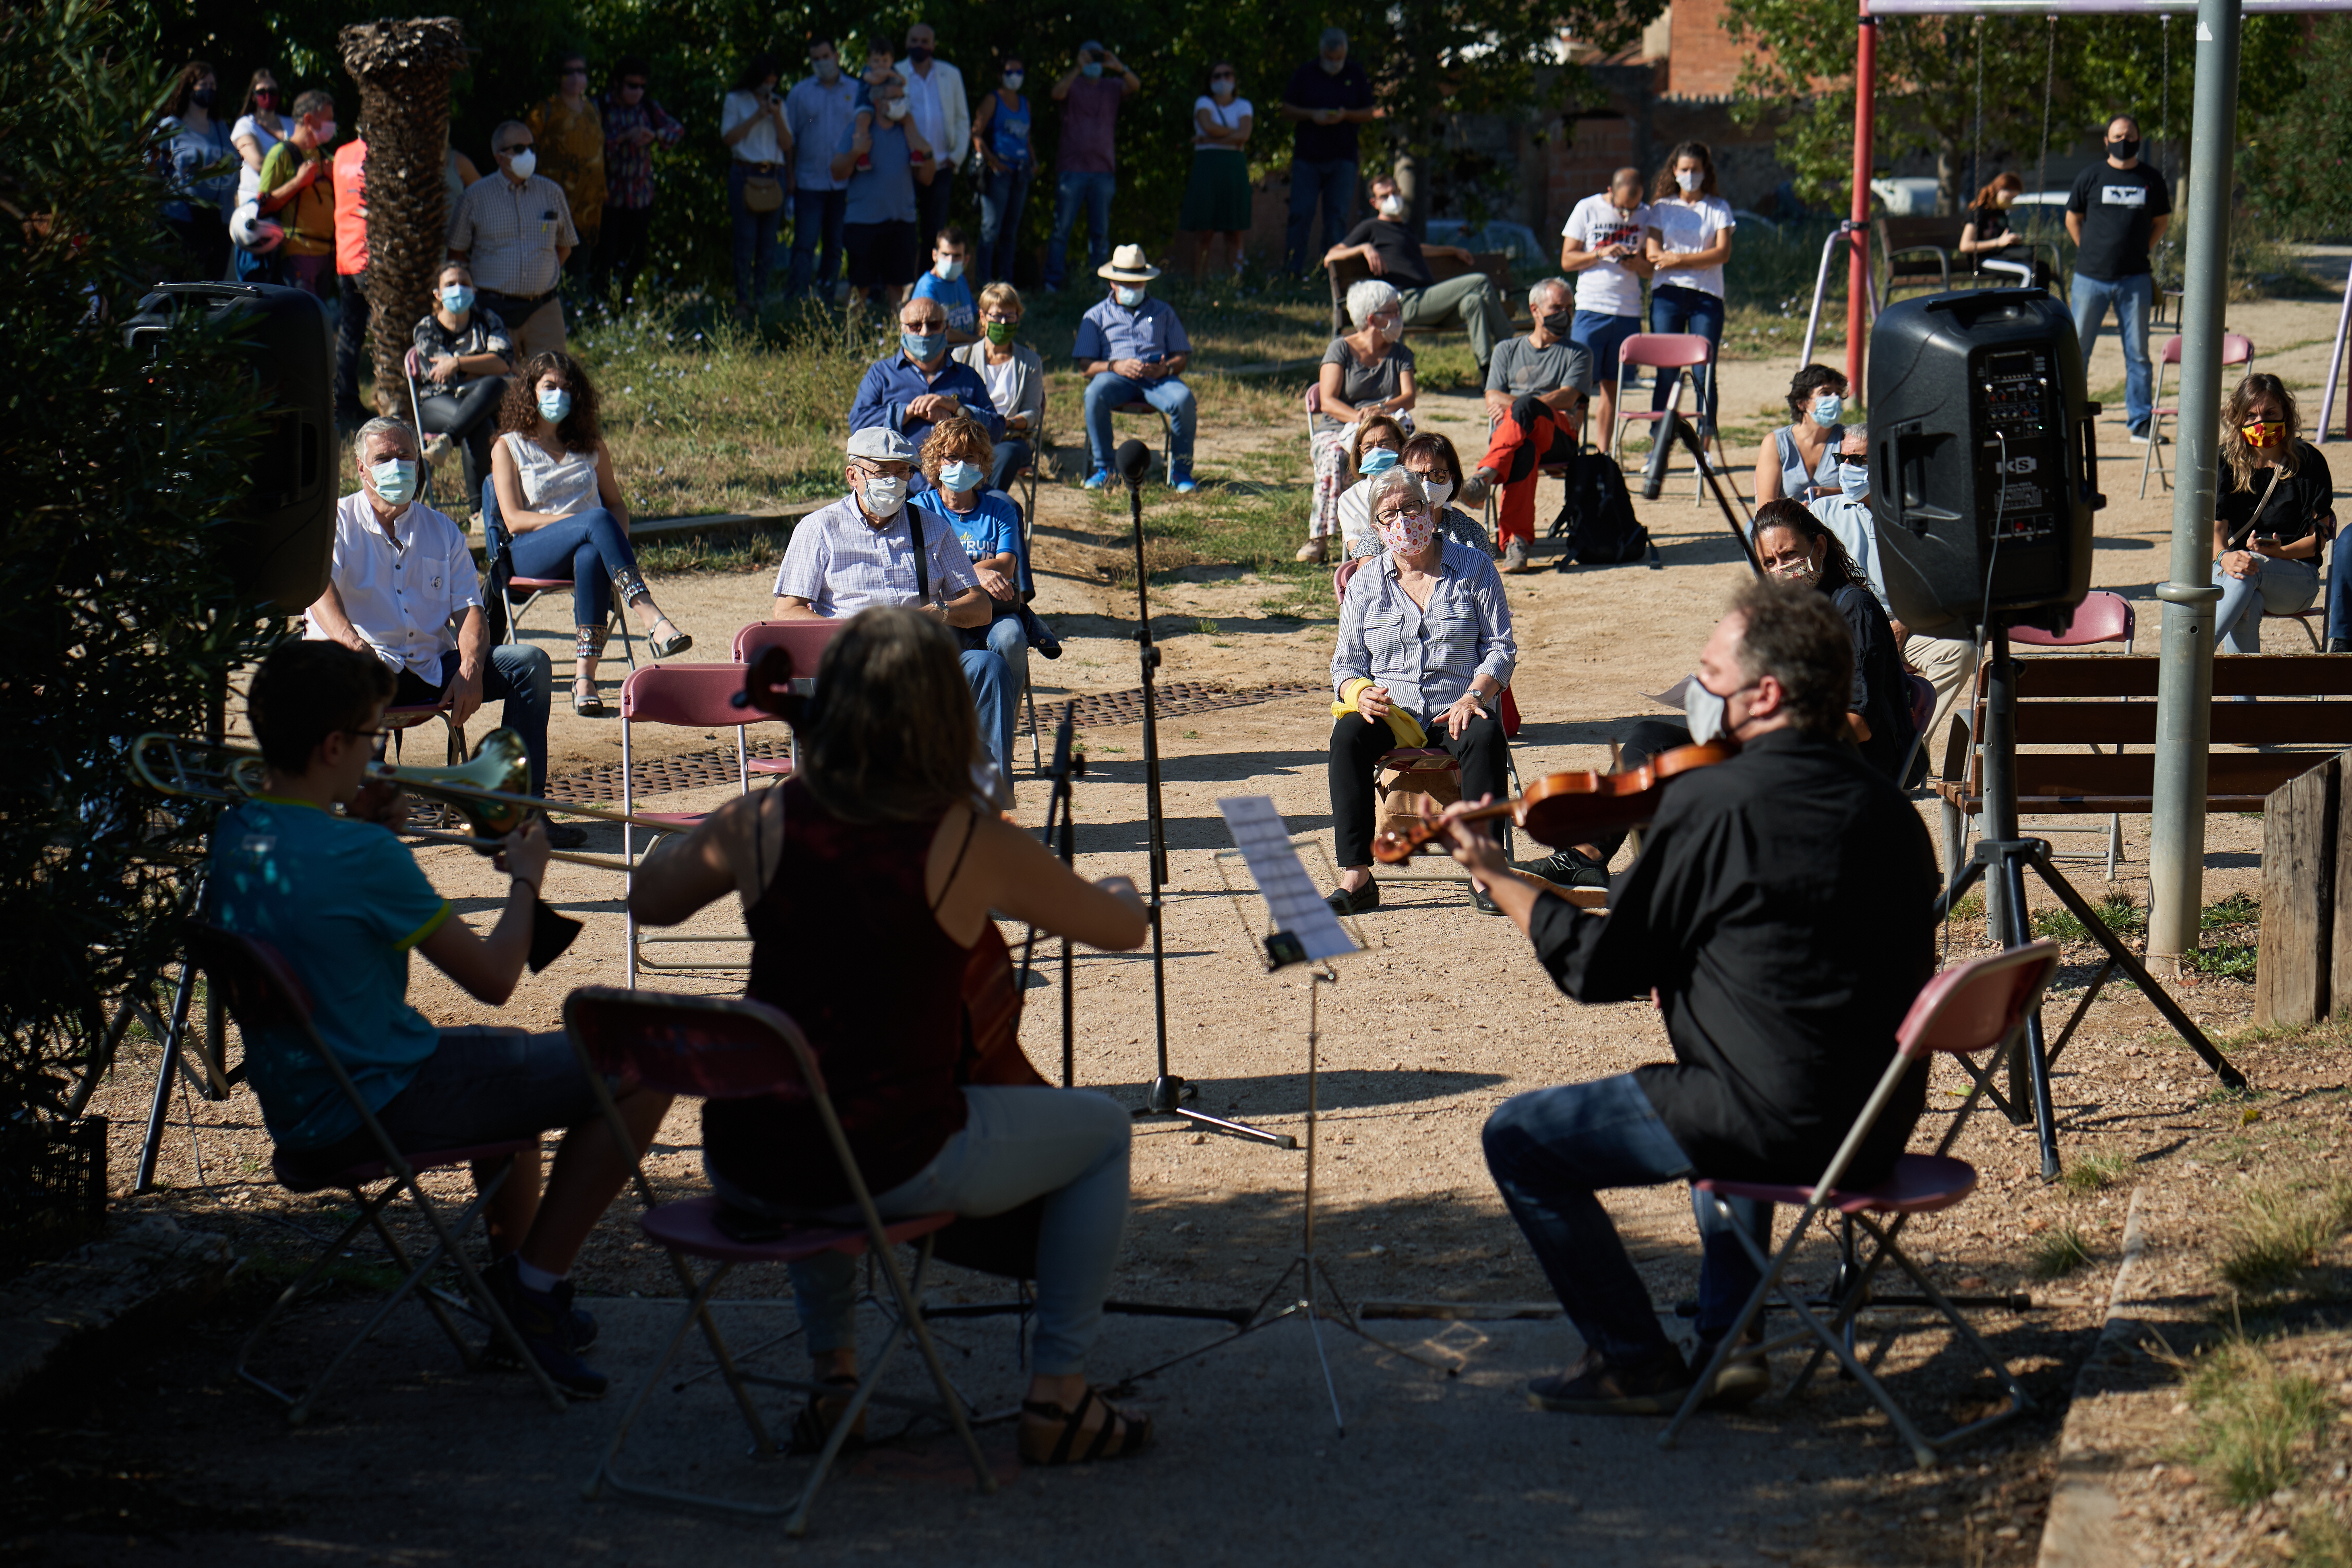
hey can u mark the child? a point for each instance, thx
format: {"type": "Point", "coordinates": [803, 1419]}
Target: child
{"type": "Point", "coordinates": [879, 63]}
{"type": "Point", "coordinates": [945, 283]}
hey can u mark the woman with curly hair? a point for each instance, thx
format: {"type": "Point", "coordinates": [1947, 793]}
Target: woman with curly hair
{"type": "Point", "coordinates": [563, 510]}
{"type": "Point", "coordinates": [2274, 512]}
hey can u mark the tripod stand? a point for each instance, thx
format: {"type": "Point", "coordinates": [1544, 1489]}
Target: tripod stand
{"type": "Point", "coordinates": [2001, 858]}
{"type": "Point", "coordinates": [1169, 1094]}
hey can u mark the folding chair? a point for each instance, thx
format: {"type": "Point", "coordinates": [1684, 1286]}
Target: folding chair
{"type": "Point", "coordinates": [692, 696]}
{"type": "Point", "coordinates": [723, 1048]}
{"type": "Point", "coordinates": [807, 642]}
{"type": "Point", "coordinates": [2237, 349]}
{"type": "Point", "coordinates": [498, 545]}
{"type": "Point", "coordinates": [263, 995]}
{"type": "Point", "coordinates": [2102, 617]}
{"type": "Point", "coordinates": [1976, 1007]}
{"type": "Point", "coordinates": [1659, 352]}
{"type": "Point", "coordinates": [1167, 437]}
{"type": "Point", "coordinates": [2310, 619]}
{"type": "Point", "coordinates": [398, 722]}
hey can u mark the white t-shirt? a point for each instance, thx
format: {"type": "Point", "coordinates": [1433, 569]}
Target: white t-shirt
{"type": "Point", "coordinates": [1607, 288]}
{"type": "Point", "coordinates": [758, 144]}
{"type": "Point", "coordinates": [1226, 116]}
{"type": "Point", "coordinates": [1686, 229]}
{"type": "Point", "coordinates": [249, 175]}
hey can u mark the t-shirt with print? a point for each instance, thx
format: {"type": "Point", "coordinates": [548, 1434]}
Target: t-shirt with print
{"type": "Point", "coordinates": [991, 528]}
{"type": "Point", "coordinates": [1607, 288]}
{"type": "Point", "coordinates": [1519, 367]}
{"type": "Point", "coordinates": [2119, 209]}
{"type": "Point", "coordinates": [1686, 229]}
{"type": "Point", "coordinates": [954, 296]}
{"type": "Point", "coordinates": [342, 902]}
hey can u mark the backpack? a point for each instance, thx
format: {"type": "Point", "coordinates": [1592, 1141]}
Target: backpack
{"type": "Point", "coordinates": [1597, 516]}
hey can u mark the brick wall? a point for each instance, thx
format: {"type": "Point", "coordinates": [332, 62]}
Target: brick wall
{"type": "Point", "coordinates": [1578, 162]}
{"type": "Point", "coordinates": [1702, 62]}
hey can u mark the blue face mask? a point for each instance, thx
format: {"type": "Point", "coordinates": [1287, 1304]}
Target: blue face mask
{"type": "Point", "coordinates": [961, 476]}
{"type": "Point", "coordinates": [1130, 297]}
{"type": "Point", "coordinates": [456, 299]}
{"type": "Point", "coordinates": [923, 346]}
{"type": "Point", "coordinates": [395, 479]}
{"type": "Point", "coordinates": [1091, 70]}
{"type": "Point", "coordinates": [1376, 460]}
{"type": "Point", "coordinates": [951, 270]}
{"type": "Point", "coordinates": [554, 405]}
{"type": "Point", "coordinates": [1827, 407]}
{"type": "Point", "coordinates": [1853, 479]}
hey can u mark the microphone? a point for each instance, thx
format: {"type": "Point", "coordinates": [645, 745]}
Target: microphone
{"type": "Point", "coordinates": [1131, 459]}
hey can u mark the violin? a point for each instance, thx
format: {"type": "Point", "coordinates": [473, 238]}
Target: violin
{"type": "Point", "coordinates": [992, 1052]}
{"type": "Point", "coordinates": [1572, 808]}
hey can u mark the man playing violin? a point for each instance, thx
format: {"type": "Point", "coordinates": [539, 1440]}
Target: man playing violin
{"type": "Point", "coordinates": [344, 903]}
{"type": "Point", "coordinates": [1780, 916]}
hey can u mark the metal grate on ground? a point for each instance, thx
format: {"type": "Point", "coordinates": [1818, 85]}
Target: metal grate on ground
{"type": "Point", "coordinates": [1096, 709]}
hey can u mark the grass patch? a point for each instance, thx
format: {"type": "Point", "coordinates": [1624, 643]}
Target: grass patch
{"type": "Point", "coordinates": [738, 549]}
{"type": "Point", "coordinates": [2090, 1173]}
{"type": "Point", "coordinates": [2059, 1251]}
{"type": "Point", "coordinates": [2232, 938]}
{"type": "Point", "coordinates": [1971, 908]}
{"type": "Point", "coordinates": [2257, 1428]}
{"type": "Point", "coordinates": [2323, 1541]}
{"type": "Point", "coordinates": [2119, 911]}
{"type": "Point", "coordinates": [2280, 1230]}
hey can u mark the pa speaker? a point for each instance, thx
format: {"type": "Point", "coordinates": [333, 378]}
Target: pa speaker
{"type": "Point", "coordinates": [1983, 474]}
{"type": "Point", "coordinates": [287, 540]}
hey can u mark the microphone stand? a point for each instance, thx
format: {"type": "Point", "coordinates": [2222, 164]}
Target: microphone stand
{"type": "Point", "coordinates": [1067, 765]}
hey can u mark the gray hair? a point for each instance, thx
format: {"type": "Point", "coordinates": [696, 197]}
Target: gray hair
{"type": "Point", "coordinates": [1543, 286]}
{"type": "Point", "coordinates": [384, 426]}
{"type": "Point", "coordinates": [1397, 478]}
{"type": "Point", "coordinates": [498, 137]}
{"type": "Point", "coordinates": [1858, 433]}
{"type": "Point", "coordinates": [1333, 38]}
{"type": "Point", "coordinates": [1367, 296]}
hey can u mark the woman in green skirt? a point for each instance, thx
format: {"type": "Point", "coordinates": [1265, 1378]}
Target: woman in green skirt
{"type": "Point", "coordinates": [1217, 196]}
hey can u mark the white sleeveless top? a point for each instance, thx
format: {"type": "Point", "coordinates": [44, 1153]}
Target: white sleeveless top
{"type": "Point", "coordinates": [560, 485]}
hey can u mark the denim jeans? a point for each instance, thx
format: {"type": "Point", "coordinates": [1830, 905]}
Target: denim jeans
{"type": "Point", "coordinates": [1329, 182]}
{"type": "Point", "coordinates": [1002, 199]}
{"type": "Point", "coordinates": [1010, 457]}
{"type": "Point", "coordinates": [1094, 191]}
{"type": "Point", "coordinates": [816, 216]}
{"type": "Point", "coordinates": [1551, 1150]}
{"type": "Point", "coordinates": [2339, 593]}
{"type": "Point", "coordinates": [1168, 394]}
{"type": "Point", "coordinates": [519, 675]}
{"type": "Point", "coordinates": [755, 240]}
{"type": "Point", "coordinates": [592, 547]}
{"type": "Point", "coordinates": [1068, 1145]}
{"type": "Point", "coordinates": [350, 347]}
{"type": "Point", "coordinates": [997, 697]}
{"type": "Point", "coordinates": [1008, 642]}
{"type": "Point", "coordinates": [466, 413]}
{"type": "Point", "coordinates": [1674, 308]}
{"type": "Point", "coordinates": [2132, 298]}
{"type": "Point", "coordinates": [2279, 586]}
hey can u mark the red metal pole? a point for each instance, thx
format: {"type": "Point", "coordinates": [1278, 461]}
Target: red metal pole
{"type": "Point", "coordinates": [1857, 288]}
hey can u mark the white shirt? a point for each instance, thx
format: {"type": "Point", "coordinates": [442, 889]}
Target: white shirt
{"type": "Point", "coordinates": [1687, 227]}
{"type": "Point", "coordinates": [1607, 288]}
{"type": "Point", "coordinates": [840, 565]}
{"type": "Point", "coordinates": [1226, 116]}
{"type": "Point", "coordinates": [403, 593]}
{"type": "Point", "coordinates": [1356, 511]}
{"type": "Point", "coordinates": [758, 144]}
{"type": "Point", "coordinates": [923, 108]}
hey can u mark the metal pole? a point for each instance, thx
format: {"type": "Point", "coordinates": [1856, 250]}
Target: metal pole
{"type": "Point", "coordinates": [1857, 288]}
{"type": "Point", "coordinates": [2184, 698]}
{"type": "Point", "coordinates": [2335, 368]}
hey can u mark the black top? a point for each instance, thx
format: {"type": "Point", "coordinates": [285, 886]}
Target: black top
{"type": "Point", "coordinates": [1782, 907]}
{"type": "Point", "coordinates": [1880, 693]}
{"type": "Point", "coordinates": [1312, 87]}
{"type": "Point", "coordinates": [2300, 499]}
{"type": "Point", "coordinates": [1402, 264]}
{"type": "Point", "coordinates": [2119, 206]}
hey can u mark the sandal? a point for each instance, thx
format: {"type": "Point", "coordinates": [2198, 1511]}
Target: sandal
{"type": "Point", "coordinates": [1119, 1436]}
{"type": "Point", "coordinates": [813, 1422]}
{"type": "Point", "coordinates": [585, 702]}
{"type": "Point", "coordinates": [678, 642]}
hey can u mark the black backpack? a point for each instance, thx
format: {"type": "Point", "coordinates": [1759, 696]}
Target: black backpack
{"type": "Point", "coordinates": [1597, 516]}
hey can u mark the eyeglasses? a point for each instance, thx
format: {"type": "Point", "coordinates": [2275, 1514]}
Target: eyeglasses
{"type": "Point", "coordinates": [1000, 319]}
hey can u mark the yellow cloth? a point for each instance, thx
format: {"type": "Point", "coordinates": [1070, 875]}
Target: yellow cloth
{"type": "Point", "coordinates": [571, 153]}
{"type": "Point", "coordinates": [309, 219]}
{"type": "Point", "coordinates": [1402, 725]}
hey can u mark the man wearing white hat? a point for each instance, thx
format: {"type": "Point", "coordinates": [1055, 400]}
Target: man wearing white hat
{"type": "Point", "coordinates": [1133, 349]}
{"type": "Point", "coordinates": [864, 550]}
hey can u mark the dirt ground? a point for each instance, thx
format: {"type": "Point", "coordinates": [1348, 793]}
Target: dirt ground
{"type": "Point", "coordinates": [1426, 1032]}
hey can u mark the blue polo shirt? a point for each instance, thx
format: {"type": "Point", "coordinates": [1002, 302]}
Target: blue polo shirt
{"type": "Point", "coordinates": [342, 902]}
{"type": "Point", "coordinates": [1111, 330]}
{"type": "Point", "coordinates": [889, 384]}
{"type": "Point", "coordinates": [993, 526]}
{"type": "Point", "coordinates": [884, 193]}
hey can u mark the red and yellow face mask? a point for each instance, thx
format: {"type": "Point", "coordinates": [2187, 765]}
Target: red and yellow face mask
{"type": "Point", "coordinates": [2263, 432]}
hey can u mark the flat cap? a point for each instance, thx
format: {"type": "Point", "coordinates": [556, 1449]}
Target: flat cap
{"type": "Point", "coordinates": [881, 444]}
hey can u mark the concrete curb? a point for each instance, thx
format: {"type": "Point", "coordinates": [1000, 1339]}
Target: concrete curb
{"type": "Point", "coordinates": [2079, 1530]}
{"type": "Point", "coordinates": [58, 1311]}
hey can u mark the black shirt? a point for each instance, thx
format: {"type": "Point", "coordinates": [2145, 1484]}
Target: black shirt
{"type": "Point", "coordinates": [2301, 497]}
{"type": "Point", "coordinates": [1312, 87]}
{"type": "Point", "coordinates": [1782, 907]}
{"type": "Point", "coordinates": [2119, 209]}
{"type": "Point", "coordinates": [1403, 266]}
{"type": "Point", "coordinates": [1880, 693]}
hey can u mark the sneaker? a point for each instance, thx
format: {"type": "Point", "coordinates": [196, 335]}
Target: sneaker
{"type": "Point", "coordinates": [2138, 438]}
{"type": "Point", "coordinates": [2340, 645]}
{"type": "Point", "coordinates": [1567, 867]}
{"type": "Point", "coordinates": [1344, 903]}
{"type": "Point", "coordinates": [1594, 1386]}
{"type": "Point", "coordinates": [579, 1323]}
{"type": "Point", "coordinates": [1315, 552]}
{"type": "Point", "coordinates": [542, 1320]}
{"type": "Point", "coordinates": [1182, 483]}
{"type": "Point", "coordinates": [1744, 1380]}
{"type": "Point", "coordinates": [1098, 479]}
{"type": "Point", "coordinates": [1515, 556]}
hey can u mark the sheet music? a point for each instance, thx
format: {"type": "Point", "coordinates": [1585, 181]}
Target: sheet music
{"type": "Point", "coordinates": [1258, 833]}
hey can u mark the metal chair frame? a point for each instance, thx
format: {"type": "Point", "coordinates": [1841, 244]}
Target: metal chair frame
{"type": "Point", "coordinates": [687, 696]}
{"type": "Point", "coordinates": [1656, 352]}
{"type": "Point", "coordinates": [2237, 349]}
{"type": "Point", "coordinates": [501, 549]}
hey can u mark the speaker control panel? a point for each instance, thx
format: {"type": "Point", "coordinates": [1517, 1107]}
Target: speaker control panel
{"type": "Point", "coordinates": [2020, 446]}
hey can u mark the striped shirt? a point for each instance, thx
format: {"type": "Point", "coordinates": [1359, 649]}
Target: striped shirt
{"type": "Point", "coordinates": [841, 564]}
{"type": "Point", "coordinates": [510, 233]}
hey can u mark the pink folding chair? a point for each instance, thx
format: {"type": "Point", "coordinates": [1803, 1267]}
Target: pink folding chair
{"type": "Point", "coordinates": [2102, 617]}
{"type": "Point", "coordinates": [807, 642]}
{"type": "Point", "coordinates": [715, 1048]}
{"type": "Point", "coordinates": [2237, 349]}
{"type": "Point", "coordinates": [1658, 351]}
{"type": "Point", "coordinates": [1980, 1006]}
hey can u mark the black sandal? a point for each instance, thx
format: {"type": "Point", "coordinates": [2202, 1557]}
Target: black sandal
{"type": "Point", "coordinates": [813, 1424]}
{"type": "Point", "coordinates": [1120, 1437]}
{"type": "Point", "coordinates": [677, 643]}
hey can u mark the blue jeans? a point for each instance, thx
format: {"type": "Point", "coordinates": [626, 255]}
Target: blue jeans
{"type": "Point", "coordinates": [1168, 394]}
{"type": "Point", "coordinates": [1674, 308]}
{"type": "Point", "coordinates": [2132, 298]}
{"type": "Point", "coordinates": [1008, 642]}
{"type": "Point", "coordinates": [1329, 182]}
{"type": "Point", "coordinates": [755, 238]}
{"type": "Point", "coordinates": [1070, 1145]}
{"type": "Point", "coordinates": [2339, 593]}
{"type": "Point", "coordinates": [997, 697]}
{"type": "Point", "coordinates": [1002, 199]}
{"type": "Point", "coordinates": [519, 675]}
{"type": "Point", "coordinates": [1551, 1150]}
{"type": "Point", "coordinates": [590, 547]}
{"type": "Point", "coordinates": [1094, 191]}
{"type": "Point", "coordinates": [816, 215]}
{"type": "Point", "coordinates": [2279, 586]}
{"type": "Point", "coordinates": [1010, 457]}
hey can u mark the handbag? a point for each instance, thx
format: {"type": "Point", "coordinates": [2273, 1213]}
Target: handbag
{"type": "Point", "coordinates": [763, 193]}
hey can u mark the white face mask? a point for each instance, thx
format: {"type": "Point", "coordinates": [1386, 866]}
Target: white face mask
{"type": "Point", "coordinates": [948, 269]}
{"type": "Point", "coordinates": [523, 163]}
{"type": "Point", "coordinates": [1012, 79]}
{"type": "Point", "coordinates": [1391, 205]}
{"type": "Point", "coordinates": [326, 133]}
{"type": "Point", "coordinates": [1703, 712]}
{"type": "Point", "coordinates": [884, 494]}
{"type": "Point", "coordinates": [1689, 180]}
{"type": "Point", "coordinates": [553, 406]}
{"type": "Point", "coordinates": [1127, 296]}
{"type": "Point", "coordinates": [1827, 407]}
{"type": "Point", "coordinates": [1853, 480]}
{"type": "Point", "coordinates": [1440, 493]}
{"type": "Point", "coordinates": [395, 479]}
{"type": "Point", "coordinates": [959, 476]}
{"type": "Point", "coordinates": [895, 109]}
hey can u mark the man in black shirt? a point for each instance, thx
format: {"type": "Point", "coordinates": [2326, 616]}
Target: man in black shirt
{"type": "Point", "coordinates": [1780, 913]}
{"type": "Point", "coordinates": [1389, 248]}
{"type": "Point", "coordinates": [1328, 98]}
{"type": "Point", "coordinates": [2116, 212]}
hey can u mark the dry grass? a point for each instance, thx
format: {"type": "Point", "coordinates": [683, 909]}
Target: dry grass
{"type": "Point", "coordinates": [2280, 1229]}
{"type": "Point", "coordinates": [2257, 1427]}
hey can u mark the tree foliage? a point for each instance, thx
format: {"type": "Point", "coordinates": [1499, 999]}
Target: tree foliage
{"type": "Point", "coordinates": [2298, 168]}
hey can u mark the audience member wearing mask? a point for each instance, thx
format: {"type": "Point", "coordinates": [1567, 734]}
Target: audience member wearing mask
{"type": "Point", "coordinates": [1536, 391]}
{"type": "Point", "coordinates": [920, 385]}
{"type": "Point", "coordinates": [1690, 239]}
{"type": "Point", "coordinates": [1366, 373]}
{"type": "Point", "coordinates": [884, 165]}
{"type": "Point", "coordinates": [1388, 245]}
{"type": "Point", "coordinates": [203, 175]}
{"type": "Point", "coordinates": [752, 123]}
{"type": "Point", "coordinates": [1000, 135]}
{"type": "Point", "coordinates": [1604, 247]}
{"type": "Point", "coordinates": [1987, 240]}
{"type": "Point", "coordinates": [1325, 100]}
{"type": "Point", "coordinates": [2117, 212]}
{"type": "Point", "coordinates": [1376, 446]}
{"type": "Point", "coordinates": [633, 125]}
{"type": "Point", "coordinates": [297, 194]}
{"type": "Point", "coordinates": [570, 134]}
{"type": "Point", "coordinates": [945, 282]}
{"type": "Point", "coordinates": [1796, 546]}
{"type": "Point", "coordinates": [466, 356]}
{"type": "Point", "coordinates": [1430, 458]}
{"type": "Point", "coordinates": [2272, 512]}
{"type": "Point", "coordinates": [937, 104]}
{"type": "Point", "coordinates": [1217, 191]}
{"type": "Point", "coordinates": [1799, 459]}
{"type": "Point", "coordinates": [514, 230]}
{"type": "Point", "coordinates": [1014, 374]}
{"type": "Point", "coordinates": [1087, 162]}
{"type": "Point", "coordinates": [1132, 348]}
{"type": "Point", "coordinates": [817, 115]}
{"type": "Point", "coordinates": [260, 124]}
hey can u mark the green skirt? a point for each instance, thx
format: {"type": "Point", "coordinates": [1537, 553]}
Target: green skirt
{"type": "Point", "coordinates": [1217, 195]}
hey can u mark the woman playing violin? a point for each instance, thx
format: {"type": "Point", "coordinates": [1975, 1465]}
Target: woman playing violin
{"type": "Point", "coordinates": [866, 881]}
{"type": "Point", "coordinates": [1425, 648]}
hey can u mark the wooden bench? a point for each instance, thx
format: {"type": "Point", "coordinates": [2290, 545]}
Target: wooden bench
{"type": "Point", "coordinates": [1918, 251]}
{"type": "Point", "coordinates": [1495, 263]}
{"type": "Point", "coordinates": [2108, 701]}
